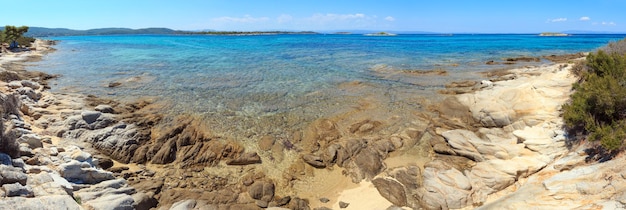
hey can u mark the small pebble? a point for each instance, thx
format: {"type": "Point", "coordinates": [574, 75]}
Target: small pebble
{"type": "Point", "coordinates": [343, 205]}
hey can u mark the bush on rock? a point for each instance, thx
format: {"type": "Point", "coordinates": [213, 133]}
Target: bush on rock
{"type": "Point", "coordinates": [598, 107]}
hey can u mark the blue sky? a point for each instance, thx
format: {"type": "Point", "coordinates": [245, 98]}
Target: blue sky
{"type": "Point", "coordinates": [447, 16]}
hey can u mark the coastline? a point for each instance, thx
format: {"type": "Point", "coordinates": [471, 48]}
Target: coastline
{"type": "Point", "coordinates": [482, 157]}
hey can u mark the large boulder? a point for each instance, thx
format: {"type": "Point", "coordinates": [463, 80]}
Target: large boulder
{"type": "Point", "coordinates": [314, 161]}
{"type": "Point", "coordinates": [5, 159]}
{"type": "Point", "coordinates": [45, 184]}
{"type": "Point", "coordinates": [10, 174]}
{"type": "Point", "coordinates": [486, 179]}
{"type": "Point", "coordinates": [111, 194]}
{"type": "Point", "coordinates": [144, 200]}
{"type": "Point", "coordinates": [119, 141]}
{"type": "Point", "coordinates": [460, 142]}
{"type": "Point", "coordinates": [369, 162]}
{"type": "Point", "coordinates": [444, 187]}
{"type": "Point", "coordinates": [49, 202]}
{"type": "Point", "coordinates": [392, 190]}
{"type": "Point", "coordinates": [192, 204]}
{"type": "Point", "coordinates": [111, 202]}
{"type": "Point", "coordinates": [30, 93]}
{"type": "Point", "coordinates": [527, 99]}
{"type": "Point", "coordinates": [82, 172]}
{"type": "Point", "coordinates": [262, 190]}
{"type": "Point", "coordinates": [467, 144]}
{"type": "Point", "coordinates": [90, 120]}
{"type": "Point", "coordinates": [547, 141]}
{"type": "Point", "coordinates": [245, 159]}
{"type": "Point", "coordinates": [16, 189]}
{"type": "Point", "coordinates": [33, 140]}
{"type": "Point", "coordinates": [104, 108]}
{"type": "Point", "coordinates": [31, 84]}
{"type": "Point", "coordinates": [90, 116]}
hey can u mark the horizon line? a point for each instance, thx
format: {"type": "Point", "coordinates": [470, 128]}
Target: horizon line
{"type": "Point", "coordinates": [349, 31]}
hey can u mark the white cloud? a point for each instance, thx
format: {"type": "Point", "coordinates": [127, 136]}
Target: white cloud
{"type": "Point", "coordinates": [611, 23]}
{"type": "Point", "coordinates": [319, 21]}
{"type": "Point", "coordinates": [584, 18]}
{"type": "Point", "coordinates": [557, 20]}
{"type": "Point", "coordinates": [337, 17]}
{"type": "Point", "coordinates": [244, 19]}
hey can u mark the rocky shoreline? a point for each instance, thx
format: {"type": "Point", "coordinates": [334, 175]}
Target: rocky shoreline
{"type": "Point", "coordinates": [39, 171]}
{"type": "Point", "coordinates": [498, 145]}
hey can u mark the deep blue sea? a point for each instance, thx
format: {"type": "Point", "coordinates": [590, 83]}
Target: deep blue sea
{"type": "Point", "coordinates": [252, 76]}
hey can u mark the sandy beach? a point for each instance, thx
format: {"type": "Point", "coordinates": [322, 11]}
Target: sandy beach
{"type": "Point", "coordinates": [497, 145]}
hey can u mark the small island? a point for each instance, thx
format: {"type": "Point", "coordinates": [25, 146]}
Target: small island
{"type": "Point", "coordinates": [380, 34]}
{"type": "Point", "coordinates": [553, 34]}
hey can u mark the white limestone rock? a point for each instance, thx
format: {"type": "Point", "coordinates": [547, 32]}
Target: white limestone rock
{"type": "Point", "coordinates": [104, 108]}
{"type": "Point", "coordinates": [33, 140]}
{"type": "Point", "coordinates": [445, 188]}
{"type": "Point", "coordinates": [82, 172]}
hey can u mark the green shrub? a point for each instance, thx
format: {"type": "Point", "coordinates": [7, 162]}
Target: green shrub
{"type": "Point", "coordinates": [615, 47]}
{"type": "Point", "coordinates": [25, 41]}
{"type": "Point", "coordinates": [579, 69]}
{"type": "Point", "coordinates": [598, 105]}
{"type": "Point", "coordinates": [12, 33]}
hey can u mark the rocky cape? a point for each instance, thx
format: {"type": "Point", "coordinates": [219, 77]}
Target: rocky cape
{"type": "Point", "coordinates": [498, 145]}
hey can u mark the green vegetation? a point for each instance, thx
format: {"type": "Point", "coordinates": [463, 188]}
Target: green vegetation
{"type": "Point", "coordinates": [78, 200]}
{"type": "Point", "coordinates": [597, 108]}
{"type": "Point", "coordinates": [45, 32]}
{"type": "Point", "coordinates": [553, 34]}
{"type": "Point", "coordinates": [13, 33]}
{"type": "Point", "coordinates": [380, 34]}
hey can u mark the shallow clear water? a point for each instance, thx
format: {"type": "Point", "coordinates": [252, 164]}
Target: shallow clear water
{"type": "Point", "coordinates": [253, 76]}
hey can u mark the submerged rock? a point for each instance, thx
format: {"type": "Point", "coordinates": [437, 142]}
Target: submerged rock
{"type": "Point", "coordinates": [266, 142]}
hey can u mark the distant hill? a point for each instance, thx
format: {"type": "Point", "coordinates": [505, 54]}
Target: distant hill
{"type": "Point", "coordinates": [248, 32]}
{"type": "Point", "coordinates": [373, 31]}
{"type": "Point", "coordinates": [44, 32]}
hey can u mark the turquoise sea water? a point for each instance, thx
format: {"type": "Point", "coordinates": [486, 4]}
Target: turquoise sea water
{"type": "Point", "coordinates": [252, 76]}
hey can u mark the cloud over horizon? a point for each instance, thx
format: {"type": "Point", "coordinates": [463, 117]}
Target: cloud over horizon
{"type": "Point", "coordinates": [313, 22]}
{"type": "Point", "coordinates": [244, 19]}
{"type": "Point", "coordinates": [337, 17]}
{"type": "Point", "coordinates": [584, 18]}
{"type": "Point", "coordinates": [557, 20]}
